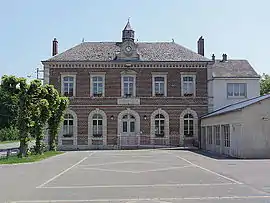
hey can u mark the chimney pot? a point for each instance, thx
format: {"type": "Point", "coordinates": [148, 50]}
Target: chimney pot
{"type": "Point", "coordinates": [213, 57]}
{"type": "Point", "coordinates": [224, 57]}
{"type": "Point", "coordinates": [54, 47]}
{"type": "Point", "coordinates": [200, 45]}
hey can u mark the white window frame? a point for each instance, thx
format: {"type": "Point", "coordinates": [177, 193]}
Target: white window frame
{"type": "Point", "coordinates": [194, 84]}
{"type": "Point", "coordinates": [134, 84]}
{"type": "Point", "coordinates": [236, 96]}
{"type": "Point", "coordinates": [99, 74]}
{"type": "Point", "coordinates": [159, 74]}
{"type": "Point", "coordinates": [69, 127]}
{"type": "Point", "coordinates": [99, 118]}
{"type": "Point", "coordinates": [217, 134]}
{"type": "Point", "coordinates": [209, 135]}
{"type": "Point", "coordinates": [66, 74]}
{"type": "Point", "coordinates": [159, 125]}
{"type": "Point", "coordinates": [189, 125]}
{"type": "Point", "coordinates": [226, 135]}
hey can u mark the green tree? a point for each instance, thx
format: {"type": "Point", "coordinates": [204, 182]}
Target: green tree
{"type": "Point", "coordinates": [8, 101]}
{"type": "Point", "coordinates": [57, 116]}
{"type": "Point", "coordinates": [265, 84]}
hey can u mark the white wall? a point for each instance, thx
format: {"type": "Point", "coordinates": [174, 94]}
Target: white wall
{"type": "Point", "coordinates": [234, 119]}
{"type": "Point", "coordinates": [256, 130]}
{"type": "Point", "coordinates": [220, 91]}
{"type": "Point", "coordinates": [250, 134]}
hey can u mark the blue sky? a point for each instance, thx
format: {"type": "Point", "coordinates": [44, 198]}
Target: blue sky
{"type": "Point", "coordinates": [239, 28]}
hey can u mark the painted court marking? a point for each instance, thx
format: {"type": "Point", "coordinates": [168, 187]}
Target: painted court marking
{"type": "Point", "coordinates": [150, 199]}
{"type": "Point", "coordinates": [139, 186]}
{"type": "Point", "coordinates": [137, 172]}
{"type": "Point", "coordinates": [205, 169]}
{"type": "Point", "coordinates": [66, 170]}
{"type": "Point", "coordinates": [119, 162]}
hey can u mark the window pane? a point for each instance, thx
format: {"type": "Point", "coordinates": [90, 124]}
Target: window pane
{"type": "Point", "coordinates": [243, 90]}
{"type": "Point", "coordinates": [236, 89]}
{"type": "Point", "coordinates": [99, 122]}
{"type": "Point", "coordinates": [159, 79]}
{"type": "Point", "coordinates": [125, 126]}
{"type": "Point", "coordinates": [94, 122]}
{"type": "Point", "coordinates": [230, 90]}
{"type": "Point", "coordinates": [70, 122]}
{"type": "Point", "coordinates": [65, 122]}
{"type": "Point", "coordinates": [132, 126]}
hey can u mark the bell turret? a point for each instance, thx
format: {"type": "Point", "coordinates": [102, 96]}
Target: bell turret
{"type": "Point", "coordinates": [128, 33]}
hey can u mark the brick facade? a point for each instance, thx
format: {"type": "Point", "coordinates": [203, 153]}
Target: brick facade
{"type": "Point", "coordinates": [174, 104]}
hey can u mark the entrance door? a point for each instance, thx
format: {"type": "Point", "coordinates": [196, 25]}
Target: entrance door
{"type": "Point", "coordinates": [128, 123]}
{"type": "Point", "coordinates": [128, 135]}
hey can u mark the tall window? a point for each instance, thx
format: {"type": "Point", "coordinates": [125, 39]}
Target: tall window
{"type": "Point", "coordinates": [236, 89]}
{"type": "Point", "coordinates": [226, 135]}
{"type": "Point", "coordinates": [68, 86]}
{"type": "Point", "coordinates": [217, 134]}
{"type": "Point", "coordinates": [209, 134]}
{"type": "Point", "coordinates": [159, 85]}
{"type": "Point", "coordinates": [97, 125]}
{"type": "Point", "coordinates": [68, 125]}
{"type": "Point", "coordinates": [128, 86]}
{"type": "Point", "coordinates": [188, 125]}
{"type": "Point", "coordinates": [188, 85]}
{"type": "Point", "coordinates": [159, 125]}
{"type": "Point", "coordinates": [98, 86]}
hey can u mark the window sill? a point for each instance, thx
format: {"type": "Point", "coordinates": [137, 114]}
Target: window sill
{"type": "Point", "coordinates": [236, 97]}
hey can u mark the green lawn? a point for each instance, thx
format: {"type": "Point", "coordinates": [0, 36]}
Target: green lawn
{"type": "Point", "coordinates": [31, 158]}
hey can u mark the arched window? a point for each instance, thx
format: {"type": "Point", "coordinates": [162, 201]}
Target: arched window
{"type": "Point", "coordinates": [128, 123]}
{"type": "Point", "coordinates": [97, 125]}
{"type": "Point", "coordinates": [188, 125]}
{"type": "Point", "coordinates": [159, 125]}
{"type": "Point", "coordinates": [68, 126]}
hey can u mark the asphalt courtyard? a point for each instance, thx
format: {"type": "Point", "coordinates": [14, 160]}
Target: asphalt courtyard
{"type": "Point", "coordinates": [136, 177]}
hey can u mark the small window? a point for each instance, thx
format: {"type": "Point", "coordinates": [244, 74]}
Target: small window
{"type": "Point", "coordinates": [68, 86]}
{"type": "Point", "coordinates": [128, 86]}
{"type": "Point", "coordinates": [98, 85]}
{"type": "Point", "coordinates": [236, 89]}
{"type": "Point", "coordinates": [159, 85]}
{"type": "Point", "coordinates": [188, 85]}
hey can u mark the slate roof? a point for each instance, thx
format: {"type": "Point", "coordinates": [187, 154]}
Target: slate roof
{"type": "Point", "coordinates": [233, 68]}
{"type": "Point", "coordinates": [237, 106]}
{"type": "Point", "coordinates": [106, 51]}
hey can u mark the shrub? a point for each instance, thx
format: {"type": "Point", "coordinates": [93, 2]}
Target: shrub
{"type": "Point", "coordinates": [9, 133]}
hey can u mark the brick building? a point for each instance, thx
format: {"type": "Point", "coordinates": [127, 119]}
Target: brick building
{"type": "Point", "coordinates": [129, 93]}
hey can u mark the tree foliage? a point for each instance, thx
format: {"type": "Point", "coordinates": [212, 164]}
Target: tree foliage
{"type": "Point", "coordinates": [265, 84]}
{"type": "Point", "coordinates": [8, 102]}
{"type": "Point", "coordinates": [32, 107]}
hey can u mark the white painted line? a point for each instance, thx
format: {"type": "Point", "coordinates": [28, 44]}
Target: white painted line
{"type": "Point", "coordinates": [139, 186]}
{"type": "Point", "coordinates": [137, 172]}
{"type": "Point", "coordinates": [205, 169]}
{"type": "Point", "coordinates": [150, 199]}
{"type": "Point", "coordinates": [120, 162]}
{"type": "Point", "coordinates": [53, 178]}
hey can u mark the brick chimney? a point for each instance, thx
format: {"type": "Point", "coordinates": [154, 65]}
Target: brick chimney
{"type": "Point", "coordinates": [224, 57]}
{"type": "Point", "coordinates": [54, 47]}
{"type": "Point", "coordinates": [200, 45]}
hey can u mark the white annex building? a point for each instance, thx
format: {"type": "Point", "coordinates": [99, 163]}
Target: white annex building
{"type": "Point", "coordinates": [240, 130]}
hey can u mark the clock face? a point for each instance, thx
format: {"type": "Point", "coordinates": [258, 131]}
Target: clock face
{"type": "Point", "coordinates": [128, 49]}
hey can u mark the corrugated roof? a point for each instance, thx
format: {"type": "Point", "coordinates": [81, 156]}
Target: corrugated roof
{"type": "Point", "coordinates": [237, 106]}
{"type": "Point", "coordinates": [106, 51]}
{"type": "Point", "coordinates": [233, 68]}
